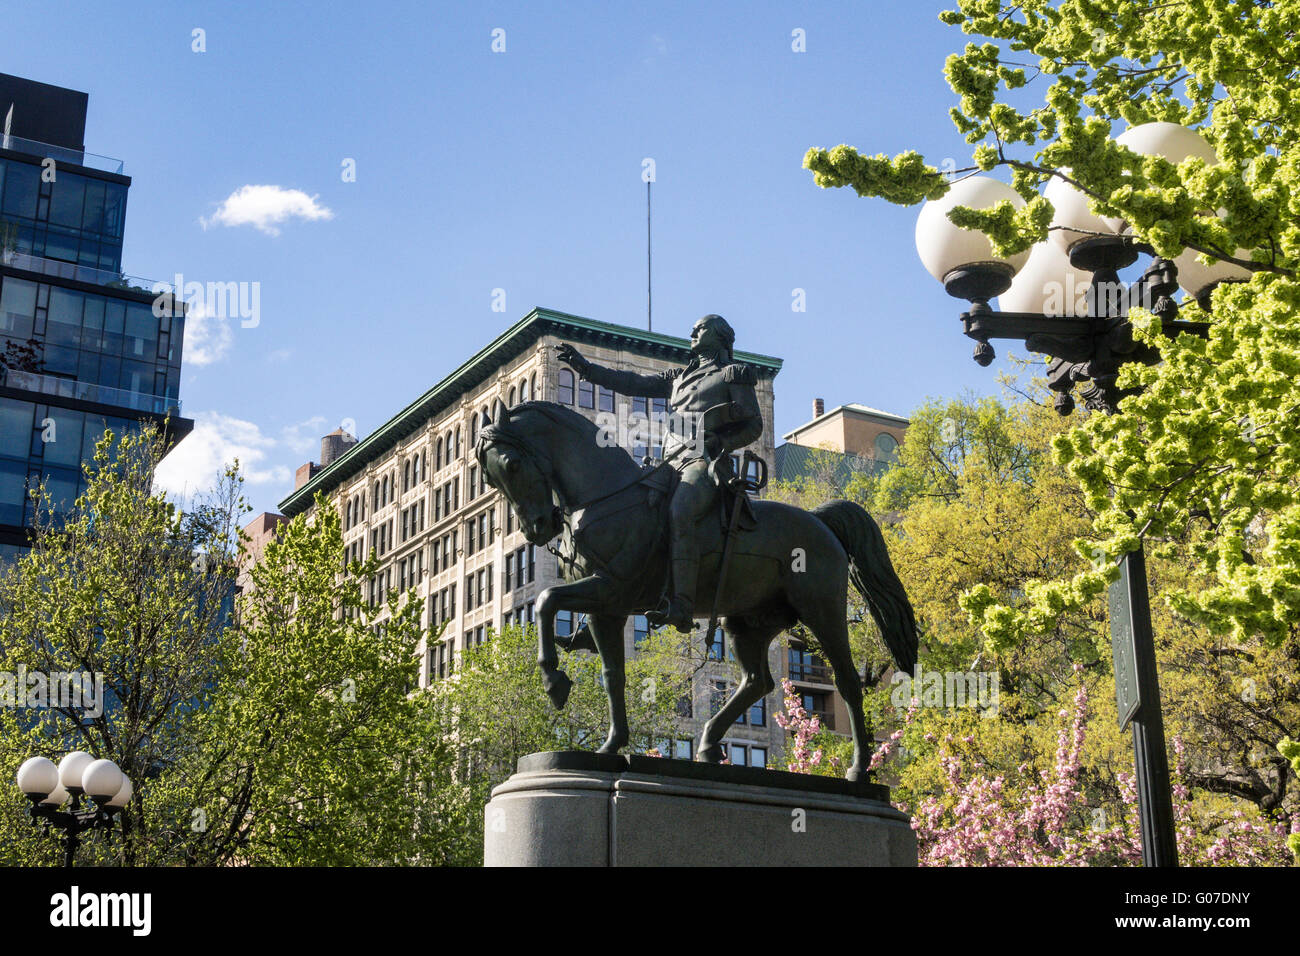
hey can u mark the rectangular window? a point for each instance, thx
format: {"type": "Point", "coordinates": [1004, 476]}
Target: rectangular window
{"type": "Point", "coordinates": [640, 629]}
{"type": "Point", "coordinates": [714, 646]}
{"type": "Point", "coordinates": [606, 400]}
{"type": "Point", "coordinates": [586, 395]}
{"type": "Point", "coordinates": [717, 696]}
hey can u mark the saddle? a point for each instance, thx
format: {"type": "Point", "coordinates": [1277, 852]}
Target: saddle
{"type": "Point", "coordinates": [663, 481]}
{"type": "Point", "coordinates": [653, 491]}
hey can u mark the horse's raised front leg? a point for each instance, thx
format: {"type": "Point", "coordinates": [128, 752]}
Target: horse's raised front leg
{"type": "Point", "coordinates": [583, 596]}
{"type": "Point", "coordinates": [607, 630]}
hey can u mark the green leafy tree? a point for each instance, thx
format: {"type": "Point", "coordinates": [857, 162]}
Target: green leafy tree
{"type": "Point", "coordinates": [977, 498]}
{"type": "Point", "coordinates": [318, 748]}
{"type": "Point", "coordinates": [1204, 461]}
{"type": "Point", "coordinates": [129, 588]}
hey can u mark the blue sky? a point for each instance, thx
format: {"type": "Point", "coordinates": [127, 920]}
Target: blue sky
{"type": "Point", "coordinates": [518, 171]}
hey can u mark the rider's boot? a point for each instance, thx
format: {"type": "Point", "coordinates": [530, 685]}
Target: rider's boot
{"type": "Point", "coordinates": [679, 609]}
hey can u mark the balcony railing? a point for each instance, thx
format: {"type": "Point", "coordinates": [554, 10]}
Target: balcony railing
{"type": "Point", "coordinates": [79, 273]}
{"type": "Point", "coordinates": [62, 154]}
{"type": "Point", "coordinates": [811, 674]}
{"type": "Point", "coordinates": [88, 392]}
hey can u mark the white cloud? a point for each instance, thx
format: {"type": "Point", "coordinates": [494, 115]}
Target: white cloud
{"type": "Point", "coordinates": [196, 463]}
{"type": "Point", "coordinates": [265, 208]}
{"type": "Point", "coordinates": [207, 337]}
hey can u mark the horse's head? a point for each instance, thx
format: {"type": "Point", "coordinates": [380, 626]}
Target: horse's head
{"type": "Point", "coordinates": [520, 470]}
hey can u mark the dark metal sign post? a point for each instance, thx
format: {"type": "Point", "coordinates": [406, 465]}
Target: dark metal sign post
{"type": "Point", "coordinates": [1137, 699]}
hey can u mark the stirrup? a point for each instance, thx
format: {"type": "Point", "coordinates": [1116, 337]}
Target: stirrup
{"type": "Point", "coordinates": [674, 612]}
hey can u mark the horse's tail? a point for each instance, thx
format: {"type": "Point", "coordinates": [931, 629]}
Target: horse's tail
{"type": "Point", "coordinates": [873, 575]}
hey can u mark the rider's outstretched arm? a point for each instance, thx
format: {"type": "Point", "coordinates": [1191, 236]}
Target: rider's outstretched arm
{"type": "Point", "coordinates": [659, 385]}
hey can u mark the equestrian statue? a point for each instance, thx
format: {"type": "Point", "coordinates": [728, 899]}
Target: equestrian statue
{"type": "Point", "coordinates": [659, 539]}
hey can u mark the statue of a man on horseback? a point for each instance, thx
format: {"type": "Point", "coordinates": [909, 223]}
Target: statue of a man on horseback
{"type": "Point", "coordinates": [563, 481]}
{"type": "Point", "coordinates": [714, 398]}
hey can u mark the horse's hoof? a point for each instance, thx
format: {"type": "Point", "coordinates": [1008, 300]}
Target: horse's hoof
{"type": "Point", "coordinates": [611, 746]}
{"type": "Point", "coordinates": [712, 754]}
{"type": "Point", "coordinates": [557, 686]}
{"type": "Point", "coordinates": [856, 773]}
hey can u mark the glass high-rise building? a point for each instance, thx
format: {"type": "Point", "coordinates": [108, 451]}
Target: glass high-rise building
{"type": "Point", "coordinates": [81, 346]}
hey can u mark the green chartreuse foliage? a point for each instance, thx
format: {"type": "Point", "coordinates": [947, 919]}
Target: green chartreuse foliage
{"type": "Point", "coordinates": [1205, 459]}
{"type": "Point", "coordinates": [128, 588]}
{"type": "Point", "coordinates": [977, 499]}
{"type": "Point", "coordinates": [1203, 462]}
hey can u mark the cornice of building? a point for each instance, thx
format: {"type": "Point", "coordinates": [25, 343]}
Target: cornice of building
{"type": "Point", "coordinates": [456, 386]}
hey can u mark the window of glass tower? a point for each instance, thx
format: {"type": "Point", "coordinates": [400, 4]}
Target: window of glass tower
{"type": "Point", "coordinates": [74, 219]}
{"type": "Point", "coordinates": [46, 443]}
{"type": "Point", "coordinates": [97, 339]}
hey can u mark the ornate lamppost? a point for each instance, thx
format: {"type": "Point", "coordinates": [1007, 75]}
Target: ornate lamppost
{"type": "Point", "coordinates": [50, 788]}
{"type": "Point", "coordinates": [1064, 299]}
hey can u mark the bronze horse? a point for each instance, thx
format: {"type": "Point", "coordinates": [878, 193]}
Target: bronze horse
{"type": "Point", "coordinates": [793, 566]}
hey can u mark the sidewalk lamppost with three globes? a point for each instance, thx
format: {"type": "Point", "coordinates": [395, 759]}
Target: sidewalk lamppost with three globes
{"type": "Point", "coordinates": [56, 795]}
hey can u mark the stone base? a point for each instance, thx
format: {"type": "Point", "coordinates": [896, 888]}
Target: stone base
{"type": "Point", "coordinates": [572, 808]}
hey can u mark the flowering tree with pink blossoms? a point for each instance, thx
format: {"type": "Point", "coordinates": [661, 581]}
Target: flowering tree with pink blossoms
{"type": "Point", "coordinates": [980, 817]}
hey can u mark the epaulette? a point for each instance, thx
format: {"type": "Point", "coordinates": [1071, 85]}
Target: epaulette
{"type": "Point", "coordinates": [740, 375]}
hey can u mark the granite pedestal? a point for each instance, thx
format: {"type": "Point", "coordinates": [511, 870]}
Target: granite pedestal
{"type": "Point", "coordinates": [571, 808]}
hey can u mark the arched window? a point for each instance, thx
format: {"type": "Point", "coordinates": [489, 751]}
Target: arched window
{"type": "Point", "coordinates": [458, 443]}
{"type": "Point", "coordinates": [424, 465]}
{"type": "Point", "coordinates": [437, 455]}
{"type": "Point", "coordinates": [564, 394]}
{"type": "Point", "coordinates": [512, 396]}
{"type": "Point", "coordinates": [375, 506]}
{"type": "Point", "coordinates": [383, 495]}
{"type": "Point", "coordinates": [525, 394]}
{"type": "Point", "coordinates": [886, 447]}
{"type": "Point", "coordinates": [473, 427]}
{"type": "Point", "coordinates": [347, 522]}
{"type": "Point", "coordinates": [532, 388]}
